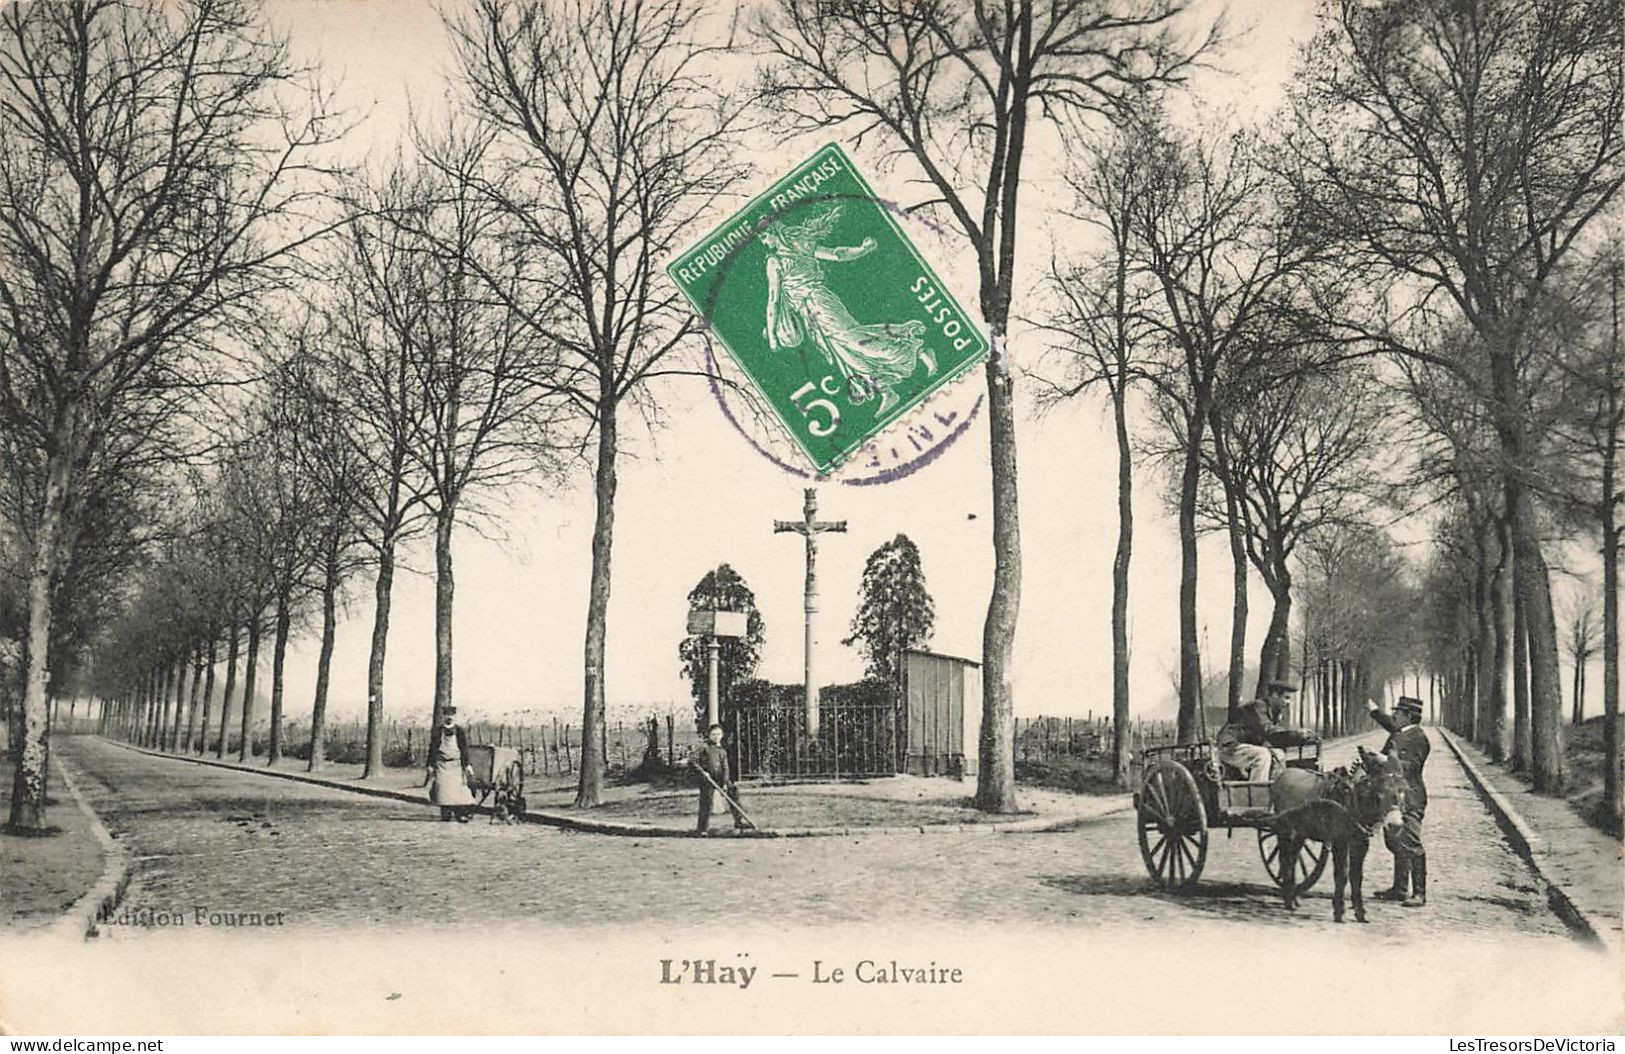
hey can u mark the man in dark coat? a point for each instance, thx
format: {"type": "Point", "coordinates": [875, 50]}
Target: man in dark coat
{"type": "Point", "coordinates": [1408, 743]}
{"type": "Point", "coordinates": [1246, 741]}
{"type": "Point", "coordinates": [712, 762]}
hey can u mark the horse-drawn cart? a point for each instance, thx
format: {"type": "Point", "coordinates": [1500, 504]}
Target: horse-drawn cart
{"type": "Point", "coordinates": [498, 775]}
{"type": "Point", "coordinates": [1184, 792]}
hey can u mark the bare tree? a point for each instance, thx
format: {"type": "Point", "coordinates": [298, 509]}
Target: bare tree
{"type": "Point", "coordinates": [1457, 458]}
{"type": "Point", "coordinates": [1225, 264]}
{"type": "Point", "coordinates": [954, 91]}
{"type": "Point", "coordinates": [1302, 449]}
{"type": "Point", "coordinates": [616, 144]}
{"type": "Point", "coordinates": [150, 150]}
{"type": "Point", "coordinates": [374, 324]}
{"type": "Point", "coordinates": [487, 377]}
{"type": "Point", "coordinates": [1581, 643]}
{"type": "Point", "coordinates": [334, 472]}
{"type": "Point", "coordinates": [1100, 328]}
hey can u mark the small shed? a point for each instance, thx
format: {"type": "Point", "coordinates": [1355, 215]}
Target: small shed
{"type": "Point", "coordinates": [943, 706]}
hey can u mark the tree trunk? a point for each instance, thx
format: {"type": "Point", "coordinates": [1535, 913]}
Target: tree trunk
{"type": "Point", "coordinates": [1274, 658]}
{"type": "Point", "coordinates": [143, 711]}
{"type": "Point", "coordinates": [1492, 722]}
{"type": "Point", "coordinates": [155, 708]}
{"type": "Point", "coordinates": [1238, 573]}
{"type": "Point", "coordinates": [324, 662]}
{"type": "Point", "coordinates": [1610, 580]}
{"type": "Point", "coordinates": [1529, 575]}
{"type": "Point", "coordinates": [1120, 567]}
{"type": "Point", "coordinates": [996, 773]}
{"type": "Point", "coordinates": [1522, 747]}
{"type": "Point", "coordinates": [444, 587]}
{"type": "Point", "coordinates": [180, 703]}
{"type": "Point", "coordinates": [279, 652]}
{"type": "Point", "coordinates": [208, 690]}
{"type": "Point", "coordinates": [197, 688]}
{"type": "Point", "coordinates": [245, 747]}
{"type": "Point", "coordinates": [1610, 646]}
{"type": "Point", "coordinates": [28, 781]}
{"type": "Point", "coordinates": [1483, 633]}
{"type": "Point", "coordinates": [590, 784]}
{"type": "Point", "coordinates": [166, 696]}
{"type": "Point", "coordinates": [231, 683]}
{"type": "Point", "coordinates": [375, 661]}
{"type": "Point", "coordinates": [1545, 692]}
{"type": "Point", "coordinates": [1576, 708]}
{"type": "Point", "coordinates": [1190, 657]}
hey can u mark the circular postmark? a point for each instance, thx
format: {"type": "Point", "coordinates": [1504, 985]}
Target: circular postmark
{"type": "Point", "coordinates": [901, 450]}
{"type": "Point", "coordinates": [857, 364]}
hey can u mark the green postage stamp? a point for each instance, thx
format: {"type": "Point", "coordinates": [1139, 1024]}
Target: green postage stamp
{"type": "Point", "coordinates": [828, 307]}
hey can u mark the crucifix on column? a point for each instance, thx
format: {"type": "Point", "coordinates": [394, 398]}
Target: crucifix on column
{"type": "Point", "coordinates": [809, 527]}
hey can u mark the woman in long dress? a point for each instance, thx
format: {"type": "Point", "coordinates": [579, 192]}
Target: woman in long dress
{"type": "Point", "coordinates": [872, 358]}
{"type": "Point", "coordinates": [450, 769]}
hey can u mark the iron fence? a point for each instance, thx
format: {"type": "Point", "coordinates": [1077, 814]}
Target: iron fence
{"type": "Point", "coordinates": [856, 738]}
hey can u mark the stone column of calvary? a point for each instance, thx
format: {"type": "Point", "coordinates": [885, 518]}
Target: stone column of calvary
{"type": "Point", "coordinates": [809, 526]}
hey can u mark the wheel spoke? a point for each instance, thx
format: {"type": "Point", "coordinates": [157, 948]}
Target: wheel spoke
{"type": "Point", "coordinates": [1155, 787]}
{"type": "Point", "coordinates": [1155, 849]}
{"type": "Point", "coordinates": [1187, 854]}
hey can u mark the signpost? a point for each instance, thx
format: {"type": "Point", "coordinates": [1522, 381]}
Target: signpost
{"type": "Point", "coordinates": [715, 624]}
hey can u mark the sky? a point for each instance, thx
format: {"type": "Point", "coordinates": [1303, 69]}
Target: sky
{"type": "Point", "coordinates": [696, 494]}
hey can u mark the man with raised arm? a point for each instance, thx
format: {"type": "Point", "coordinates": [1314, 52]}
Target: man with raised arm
{"type": "Point", "coordinates": [1408, 743]}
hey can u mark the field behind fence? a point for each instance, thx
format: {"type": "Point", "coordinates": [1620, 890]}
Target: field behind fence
{"type": "Point", "coordinates": [1048, 738]}
{"type": "Point", "coordinates": [548, 747]}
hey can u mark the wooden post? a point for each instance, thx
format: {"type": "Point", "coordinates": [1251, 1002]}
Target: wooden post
{"type": "Point", "coordinates": [671, 737]}
{"type": "Point", "coordinates": [569, 760]}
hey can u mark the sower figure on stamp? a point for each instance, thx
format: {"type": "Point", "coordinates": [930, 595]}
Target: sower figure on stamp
{"type": "Point", "coordinates": [716, 779]}
{"type": "Point", "coordinates": [449, 768]}
{"type": "Point", "coordinates": [1248, 741]}
{"type": "Point", "coordinates": [873, 359]}
{"type": "Point", "coordinates": [1408, 743]}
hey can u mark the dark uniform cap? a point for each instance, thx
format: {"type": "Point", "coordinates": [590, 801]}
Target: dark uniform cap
{"type": "Point", "coordinates": [1408, 703]}
{"type": "Point", "coordinates": [1279, 685]}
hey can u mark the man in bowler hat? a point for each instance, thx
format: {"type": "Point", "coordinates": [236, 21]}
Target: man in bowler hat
{"type": "Point", "coordinates": [1408, 743]}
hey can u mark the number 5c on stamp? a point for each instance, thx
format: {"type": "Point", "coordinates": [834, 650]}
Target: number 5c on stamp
{"type": "Point", "coordinates": [828, 308]}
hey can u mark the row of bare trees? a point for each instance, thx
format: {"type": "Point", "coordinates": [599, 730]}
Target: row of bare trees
{"type": "Point", "coordinates": [1389, 301]}
{"type": "Point", "coordinates": [487, 308]}
{"type": "Point", "coordinates": [587, 141]}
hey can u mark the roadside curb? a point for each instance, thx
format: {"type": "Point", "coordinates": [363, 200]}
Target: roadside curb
{"type": "Point", "coordinates": [1036, 825]}
{"type": "Point", "coordinates": [1531, 847]}
{"type": "Point", "coordinates": [82, 918]}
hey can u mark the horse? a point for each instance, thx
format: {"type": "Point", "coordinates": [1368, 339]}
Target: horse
{"type": "Point", "coordinates": [1339, 808]}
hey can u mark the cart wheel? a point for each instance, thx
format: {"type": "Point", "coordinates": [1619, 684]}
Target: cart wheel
{"type": "Point", "coordinates": [1308, 867]}
{"type": "Point", "coordinates": [1173, 826]}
